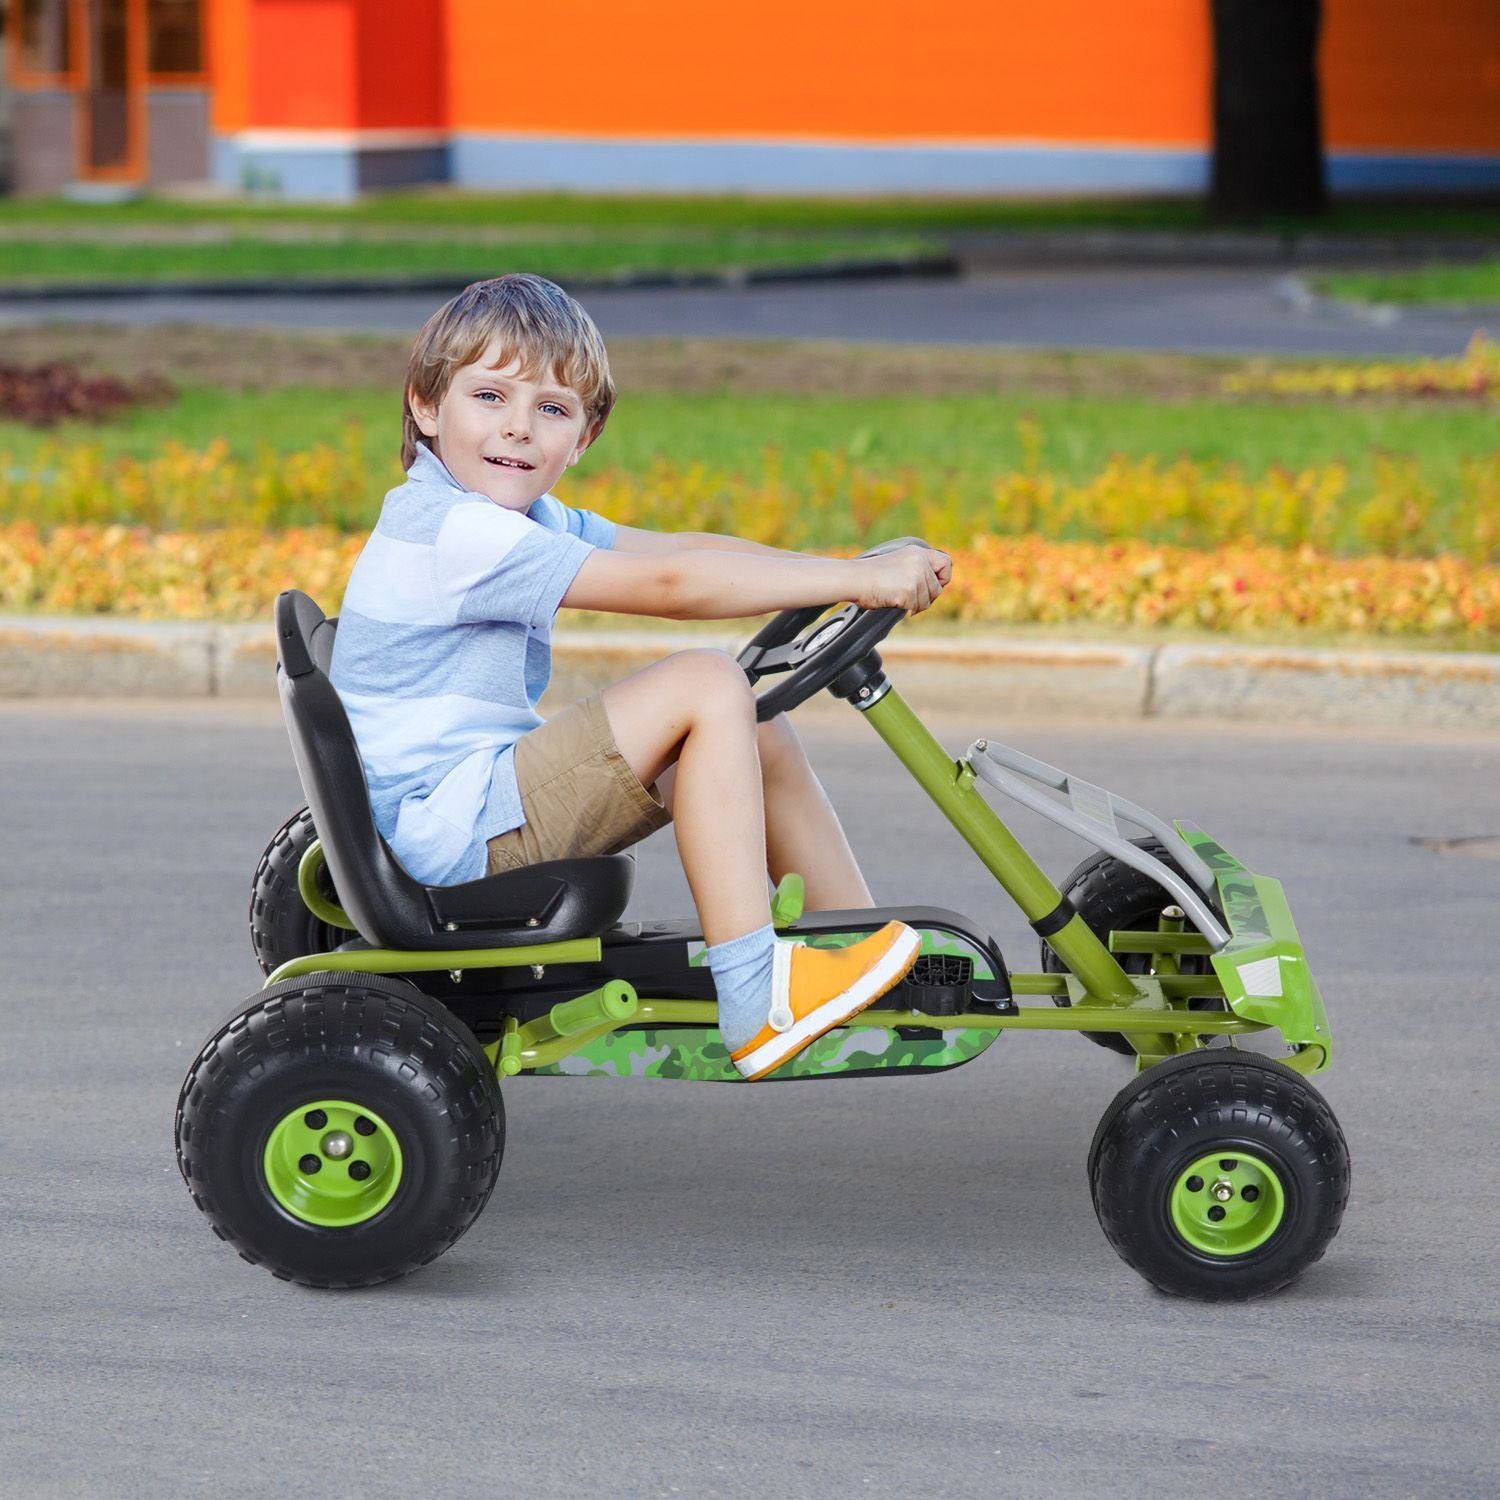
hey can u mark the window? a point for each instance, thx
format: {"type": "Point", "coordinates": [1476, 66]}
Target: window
{"type": "Point", "coordinates": [174, 36]}
{"type": "Point", "coordinates": [44, 39]}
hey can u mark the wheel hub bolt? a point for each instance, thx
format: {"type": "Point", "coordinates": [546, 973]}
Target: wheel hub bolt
{"type": "Point", "coordinates": [359, 1170]}
{"type": "Point", "coordinates": [1222, 1190]}
{"type": "Point", "coordinates": [336, 1145]}
{"type": "Point", "coordinates": [310, 1164]}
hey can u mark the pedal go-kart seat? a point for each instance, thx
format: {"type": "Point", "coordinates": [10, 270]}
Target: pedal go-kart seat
{"type": "Point", "coordinates": [543, 903]}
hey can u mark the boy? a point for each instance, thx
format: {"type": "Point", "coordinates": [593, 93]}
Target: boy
{"type": "Point", "coordinates": [443, 650]}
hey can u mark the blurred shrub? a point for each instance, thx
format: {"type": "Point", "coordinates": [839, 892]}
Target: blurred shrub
{"type": "Point", "coordinates": [43, 395]}
{"type": "Point", "coordinates": [834, 502]}
{"type": "Point", "coordinates": [1475, 372]}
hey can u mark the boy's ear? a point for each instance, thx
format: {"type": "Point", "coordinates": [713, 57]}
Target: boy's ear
{"type": "Point", "coordinates": [424, 413]}
{"type": "Point", "coordinates": [584, 443]}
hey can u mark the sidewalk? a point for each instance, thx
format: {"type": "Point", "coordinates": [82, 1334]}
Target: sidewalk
{"type": "Point", "coordinates": [999, 674]}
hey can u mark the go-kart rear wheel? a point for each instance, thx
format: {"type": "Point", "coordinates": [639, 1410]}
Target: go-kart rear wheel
{"type": "Point", "coordinates": [281, 926]}
{"type": "Point", "coordinates": [342, 1130]}
{"type": "Point", "coordinates": [1220, 1176]}
{"type": "Point", "coordinates": [1112, 896]}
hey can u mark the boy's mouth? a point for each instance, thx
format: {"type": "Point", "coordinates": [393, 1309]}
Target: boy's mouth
{"type": "Point", "coordinates": [509, 463]}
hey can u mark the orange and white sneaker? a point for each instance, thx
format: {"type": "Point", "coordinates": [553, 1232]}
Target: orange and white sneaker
{"type": "Point", "coordinates": [815, 989]}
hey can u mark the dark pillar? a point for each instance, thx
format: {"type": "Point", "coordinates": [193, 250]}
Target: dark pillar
{"type": "Point", "coordinates": [1268, 134]}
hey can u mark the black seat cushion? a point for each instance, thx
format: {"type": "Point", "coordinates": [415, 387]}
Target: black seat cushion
{"type": "Point", "coordinates": [539, 904]}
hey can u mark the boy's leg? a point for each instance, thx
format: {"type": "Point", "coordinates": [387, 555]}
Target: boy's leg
{"type": "Point", "coordinates": [774, 998]}
{"type": "Point", "coordinates": [803, 832]}
{"type": "Point", "coordinates": [696, 709]}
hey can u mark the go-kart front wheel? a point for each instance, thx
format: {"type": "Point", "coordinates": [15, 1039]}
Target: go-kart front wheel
{"type": "Point", "coordinates": [342, 1130]}
{"type": "Point", "coordinates": [1219, 1176]}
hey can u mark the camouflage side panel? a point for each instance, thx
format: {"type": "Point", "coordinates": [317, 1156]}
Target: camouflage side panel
{"type": "Point", "coordinates": [1264, 967]}
{"type": "Point", "coordinates": [697, 1054]}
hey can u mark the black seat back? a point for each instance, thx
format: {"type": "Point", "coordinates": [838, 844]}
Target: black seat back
{"type": "Point", "coordinates": [388, 906]}
{"type": "Point", "coordinates": [541, 903]}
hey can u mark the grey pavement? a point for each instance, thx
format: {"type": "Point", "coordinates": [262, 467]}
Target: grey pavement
{"type": "Point", "coordinates": [867, 1286]}
{"type": "Point", "coordinates": [1205, 309]}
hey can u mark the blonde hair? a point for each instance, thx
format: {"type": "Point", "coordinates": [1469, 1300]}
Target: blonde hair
{"type": "Point", "coordinates": [534, 322]}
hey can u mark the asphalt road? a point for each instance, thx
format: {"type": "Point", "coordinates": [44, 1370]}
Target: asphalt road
{"type": "Point", "coordinates": [862, 1287]}
{"type": "Point", "coordinates": [1205, 309]}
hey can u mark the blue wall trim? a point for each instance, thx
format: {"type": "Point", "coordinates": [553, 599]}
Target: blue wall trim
{"type": "Point", "coordinates": [1351, 172]}
{"type": "Point", "coordinates": [325, 172]}
{"type": "Point", "coordinates": [528, 162]}
{"type": "Point", "coordinates": [782, 167]}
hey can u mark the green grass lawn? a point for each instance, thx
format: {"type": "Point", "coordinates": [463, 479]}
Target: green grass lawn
{"type": "Point", "coordinates": [23, 261]}
{"type": "Point", "coordinates": [438, 232]}
{"type": "Point", "coordinates": [594, 214]}
{"type": "Point", "coordinates": [958, 440]}
{"type": "Point", "coordinates": [1477, 283]}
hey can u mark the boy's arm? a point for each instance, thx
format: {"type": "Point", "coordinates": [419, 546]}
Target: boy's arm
{"type": "Point", "coordinates": [712, 584]}
{"type": "Point", "coordinates": [638, 539]}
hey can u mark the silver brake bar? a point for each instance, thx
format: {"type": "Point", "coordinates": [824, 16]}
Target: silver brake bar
{"type": "Point", "coordinates": [1091, 813]}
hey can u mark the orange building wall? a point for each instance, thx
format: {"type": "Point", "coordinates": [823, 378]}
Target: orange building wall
{"type": "Point", "coordinates": [227, 33]}
{"type": "Point", "coordinates": [401, 64]}
{"type": "Point", "coordinates": [1398, 76]}
{"type": "Point", "coordinates": [327, 64]}
{"type": "Point", "coordinates": [1075, 70]}
{"type": "Point", "coordinates": [302, 64]}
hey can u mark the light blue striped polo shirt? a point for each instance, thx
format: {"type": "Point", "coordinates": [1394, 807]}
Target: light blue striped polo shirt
{"type": "Point", "coordinates": [443, 648]}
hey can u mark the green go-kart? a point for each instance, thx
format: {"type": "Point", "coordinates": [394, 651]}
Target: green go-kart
{"type": "Point", "coordinates": [345, 1125]}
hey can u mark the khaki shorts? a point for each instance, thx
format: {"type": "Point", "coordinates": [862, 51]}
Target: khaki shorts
{"type": "Point", "coordinates": [578, 792]}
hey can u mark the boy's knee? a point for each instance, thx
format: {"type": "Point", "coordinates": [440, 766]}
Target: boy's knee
{"type": "Point", "coordinates": [716, 678]}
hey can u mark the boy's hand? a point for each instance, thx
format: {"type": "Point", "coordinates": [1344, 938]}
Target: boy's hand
{"type": "Point", "coordinates": [909, 577]}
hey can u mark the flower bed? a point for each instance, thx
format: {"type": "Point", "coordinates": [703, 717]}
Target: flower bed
{"type": "Point", "coordinates": [830, 501]}
{"type": "Point", "coordinates": [1243, 588]}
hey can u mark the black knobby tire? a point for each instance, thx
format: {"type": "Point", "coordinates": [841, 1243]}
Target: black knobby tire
{"type": "Point", "coordinates": [381, 1044]}
{"type": "Point", "coordinates": [1230, 1103]}
{"type": "Point", "coordinates": [281, 926]}
{"type": "Point", "coordinates": [1111, 896]}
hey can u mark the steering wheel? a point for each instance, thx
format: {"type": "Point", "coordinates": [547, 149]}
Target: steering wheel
{"type": "Point", "coordinates": [814, 646]}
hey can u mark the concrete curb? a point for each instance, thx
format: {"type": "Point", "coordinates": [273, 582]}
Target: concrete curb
{"type": "Point", "coordinates": [926, 266]}
{"type": "Point", "coordinates": [102, 658]}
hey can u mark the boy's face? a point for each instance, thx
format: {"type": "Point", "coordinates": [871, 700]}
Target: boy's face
{"type": "Point", "coordinates": [504, 436]}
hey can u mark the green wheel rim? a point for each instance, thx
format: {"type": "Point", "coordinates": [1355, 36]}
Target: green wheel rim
{"type": "Point", "coordinates": [1227, 1203]}
{"type": "Point", "coordinates": [332, 1163]}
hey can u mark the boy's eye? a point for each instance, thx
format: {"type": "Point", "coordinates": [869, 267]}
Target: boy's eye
{"type": "Point", "coordinates": [553, 409]}
{"type": "Point", "coordinates": [488, 395]}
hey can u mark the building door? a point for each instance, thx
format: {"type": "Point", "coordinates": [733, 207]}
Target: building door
{"type": "Point", "coordinates": [109, 101]}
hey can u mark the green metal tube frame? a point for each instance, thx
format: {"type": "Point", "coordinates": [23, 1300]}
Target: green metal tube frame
{"type": "Point", "coordinates": [537, 1045]}
{"type": "Point", "coordinates": [1104, 997]}
{"type": "Point", "coordinates": [950, 784]}
{"type": "Point", "coordinates": [309, 867]}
